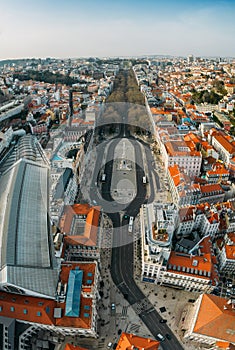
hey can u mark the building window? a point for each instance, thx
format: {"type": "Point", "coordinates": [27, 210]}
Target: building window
{"type": "Point", "coordinates": [12, 308]}
{"type": "Point", "coordinates": [25, 311]}
{"type": "Point", "coordinates": [39, 313]}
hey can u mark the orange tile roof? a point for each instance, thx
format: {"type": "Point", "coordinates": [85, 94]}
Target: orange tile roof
{"type": "Point", "coordinates": [204, 262]}
{"type": "Point", "coordinates": [175, 174]}
{"type": "Point", "coordinates": [174, 148]}
{"type": "Point", "coordinates": [230, 248]}
{"type": "Point", "coordinates": [192, 137]}
{"type": "Point", "coordinates": [85, 267]}
{"type": "Point", "coordinates": [216, 318]}
{"type": "Point", "coordinates": [155, 110]}
{"type": "Point", "coordinates": [209, 188]}
{"type": "Point", "coordinates": [218, 169]}
{"type": "Point", "coordinates": [89, 236]}
{"type": "Point", "coordinates": [206, 146]}
{"type": "Point", "coordinates": [130, 341]}
{"type": "Point", "coordinates": [73, 347]}
{"type": "Point", "coordinates": [186, 213]}
{"type": "Point", "coordinates": [45, 307]}
{"type": "Point", "coordinates": [183, 260]}
{"type": "Point", "coordinates": [224, 345]}
{"type": "Point", "coordinates": [227, 142]}
{"type": "Point", "coordinates": [31, 305]}
{"type": "Point", "coordinates": [229, 85]}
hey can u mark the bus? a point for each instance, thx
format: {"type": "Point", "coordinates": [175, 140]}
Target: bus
{"type": "Point", "coordinates": [131, 220]}
{"type": "Point", "coordinates": [130, 227]}
{"type": "Point", "coordinates": [103, 178]}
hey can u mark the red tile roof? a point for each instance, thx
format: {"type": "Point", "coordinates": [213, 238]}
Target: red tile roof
{"type": "Point", "coordinates": [227, 142]}
{"type": "Point", "coordinates": [89, 236]}
{"type": "Point", "coordinates": [41, 310]}
{"type": "Point", "coordinates": [209, 188]}
{"type": "Point", "coordinates": [186, 213]}
{"type": "Point", "coordinates": [204, 262]}
{"type": "Point", "coordinates": [73, 347]}
{"type": "Point", "coordinates": [215, 318]}
{"type": "Point", "coordinates": [131, 341]}
{"type": "Point", "coordinates": [221, 345]}
{"type": "Point", "coordinates": [230, 248]}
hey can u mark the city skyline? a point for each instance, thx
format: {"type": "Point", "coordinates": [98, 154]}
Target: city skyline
{"type": "Point", "coordinates": [133, 28]}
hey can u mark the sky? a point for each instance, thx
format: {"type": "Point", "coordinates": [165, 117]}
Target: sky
{"type": "Point", "coordinates": [101, 28]}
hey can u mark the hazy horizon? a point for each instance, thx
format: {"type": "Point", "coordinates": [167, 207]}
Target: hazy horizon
{"type": "Point", "coordinates": [72, 28]}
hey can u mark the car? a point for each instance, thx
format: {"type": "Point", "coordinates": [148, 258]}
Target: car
{"type": "Point", "coordinates": [229, 282]}
{"type": "Point", "coordinates": [113, 306]}
{"type": "Point", "coordinates": [109, 345]}
{"type": "Point", "coordinates": [160, 337]}
{"type": "Point", "coordinates": [162, 320]}
{"type": "Point", "coordinates": [168, 336]}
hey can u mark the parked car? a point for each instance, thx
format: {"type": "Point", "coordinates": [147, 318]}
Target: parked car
{"type": "Point", "coordinates": [168, 336]}
{"type": "Point", "coordinates": [229, 282]}
{"type": "Point", "coordinates": [162, 320]}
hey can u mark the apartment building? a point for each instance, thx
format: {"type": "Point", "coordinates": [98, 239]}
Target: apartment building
{"type": "Point", "coordinates": [178, 153]}
{"type": "Point", "coordinates": [217, 174]}
{"type": "Point", "coordinates": [226, 253]}
{"type": "Point", "coordinates": [157, 227]}
{"type": "Point", "coordinates": [224, 145]}
{"type": "Point", "coordinates": [212, 193]}
{"type": "Point", "coordinates": [183, 190]}
{"type": "Point", "coordinates": [199, 218]}
{"type": "Point", "coordinates": [193, 271]}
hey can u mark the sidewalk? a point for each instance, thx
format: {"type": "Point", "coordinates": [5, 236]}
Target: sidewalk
{"type": "Point", "coordinates": [123, 318]}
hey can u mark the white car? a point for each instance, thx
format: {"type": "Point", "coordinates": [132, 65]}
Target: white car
{"type": "Point", "coordinates": [160, 337]}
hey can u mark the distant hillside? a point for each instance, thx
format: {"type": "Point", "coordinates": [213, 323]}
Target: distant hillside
{"type": "Point", "coordinates": [46, 77]}
{"type": "Point", "coordinates": [15, 61]}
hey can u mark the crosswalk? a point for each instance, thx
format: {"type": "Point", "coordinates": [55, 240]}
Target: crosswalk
{"type": "Point", "coordinates": [133, 328]}
{"type": "Point", "coordinates": [124, 312]}
{"type": "Point", "coordinates": [101, 344]}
